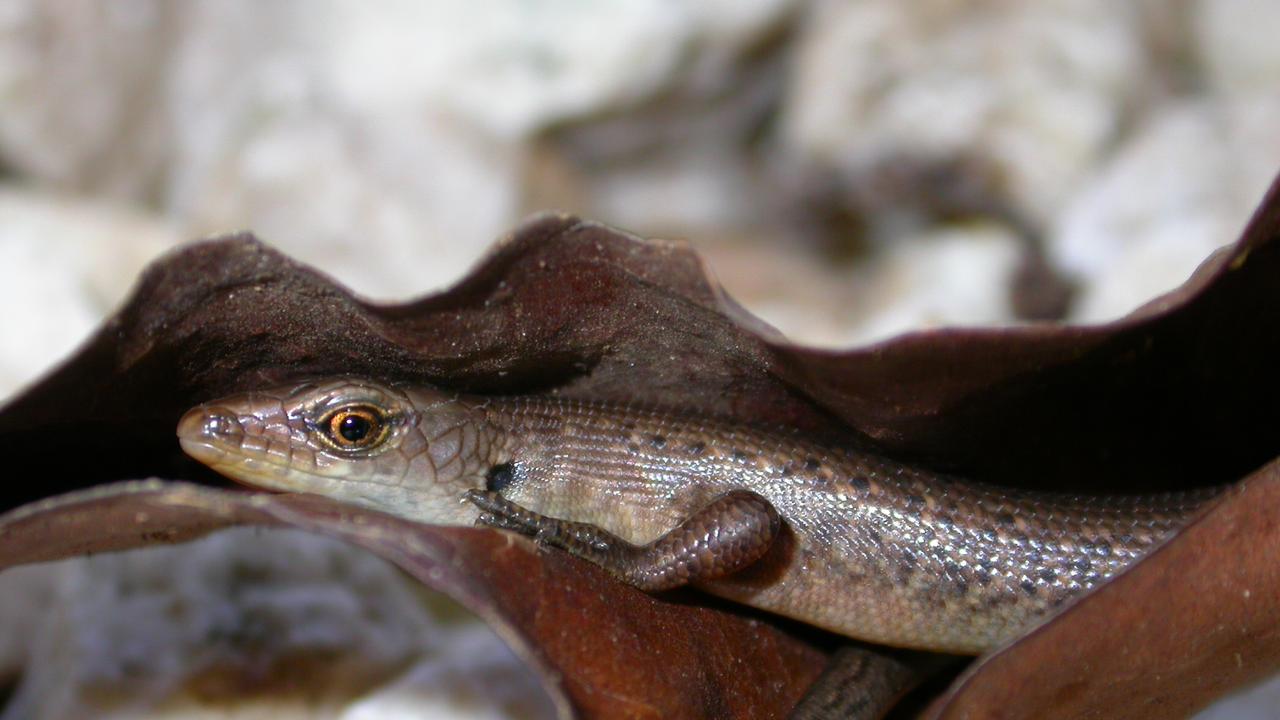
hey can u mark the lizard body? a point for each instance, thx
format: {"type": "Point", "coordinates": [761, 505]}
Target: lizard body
{"type": "Point", "coordinates": [833, 536]}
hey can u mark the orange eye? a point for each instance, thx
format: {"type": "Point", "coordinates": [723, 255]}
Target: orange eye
{"type": "Point", "coordinates": [355, 427]}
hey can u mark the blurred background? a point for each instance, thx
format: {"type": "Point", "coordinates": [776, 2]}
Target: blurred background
{"type": "Point", "coordinates": [850, 170]}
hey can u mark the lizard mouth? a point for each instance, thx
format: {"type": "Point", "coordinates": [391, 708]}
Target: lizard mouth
{"type": "Point", "coordinates": [209, 434]}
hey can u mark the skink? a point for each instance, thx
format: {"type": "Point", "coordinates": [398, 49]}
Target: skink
{"type": "Point", "coordinates": [833, 536]}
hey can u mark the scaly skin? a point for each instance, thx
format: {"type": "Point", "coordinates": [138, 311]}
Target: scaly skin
{"type": "Point", "coordinates": [867, 547]}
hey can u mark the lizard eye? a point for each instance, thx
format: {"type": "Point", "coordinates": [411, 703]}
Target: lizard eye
{"type": "Point", "coordinates": [355, 427]}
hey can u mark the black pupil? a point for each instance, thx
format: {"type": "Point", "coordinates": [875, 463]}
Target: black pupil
{"type": "Point", "coordinates": [354, 428]}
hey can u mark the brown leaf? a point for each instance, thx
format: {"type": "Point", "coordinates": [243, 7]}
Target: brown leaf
{"type": "Point", "coordinates": [1168, 397]}
{"type": "Point", "coordinates": [628, 655]}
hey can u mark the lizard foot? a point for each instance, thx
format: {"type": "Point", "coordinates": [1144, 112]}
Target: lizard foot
{"type": "Point", "coordinates": [726, 535]}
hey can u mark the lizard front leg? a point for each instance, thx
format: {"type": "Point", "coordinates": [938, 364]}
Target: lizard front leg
{"type": "Point", "coordinates": [728, 534]}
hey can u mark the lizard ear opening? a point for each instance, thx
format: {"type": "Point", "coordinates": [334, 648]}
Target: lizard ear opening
{"type": "Point", "coordinates": [499, 477]}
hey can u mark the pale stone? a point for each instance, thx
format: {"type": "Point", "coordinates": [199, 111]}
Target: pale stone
{"type": "Point", "coordinates": [948, 277]}
{"type": "Point", "coordinates": [219, 625]}
{"type": "Point", "coordinates": [1040, 88]}
{"type": "Point", "coordinates": [385, 147]}
{"type": "Point", "coordinates": [956, 276]}
{"type": "Point", "coordinates": [81, 85]}
{"type": "Point", "coordinates": [1236, 42]}
{"type": "Point", "coordinates": [1184, 185]}
{"type": "Point", "coordinates": [69, 262]}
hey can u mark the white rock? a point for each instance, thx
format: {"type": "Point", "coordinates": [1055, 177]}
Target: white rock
{"type": "Point", "coordinates": [476, 676]}
{"type": "Point", "coordinates": [384, 147]}
{"type": "Point", "coordinates": [1236, 43]}
{"type": "Point", "coordinates": [82, 85]}
{"type": "Point", "coordinates": [1039, 88]}
{"type": "Point", "coordinates": [182, 631]}
{"type": "Point", "coordinates": [1183, 186]}
{"type": "Point", "coordinates": [948, 277]}
{"type": "Point", "coordinates": [64, 264]}
{"type": "Point", "coordinates": [955, 276]}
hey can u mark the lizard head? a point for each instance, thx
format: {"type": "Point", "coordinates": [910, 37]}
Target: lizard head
{"type": "Point", "coordinates": [411, 452]}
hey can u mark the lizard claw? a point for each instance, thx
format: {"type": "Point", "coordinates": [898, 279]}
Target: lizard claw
{"type": "Point", "coordinates": [499, 512]}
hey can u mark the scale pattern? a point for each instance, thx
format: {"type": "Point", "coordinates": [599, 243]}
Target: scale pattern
{"type": "Point", "coordinates": [882, 551]}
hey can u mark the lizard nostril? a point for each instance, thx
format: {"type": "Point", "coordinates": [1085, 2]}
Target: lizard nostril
{"type": "Point", "coordinates": [209, 422]}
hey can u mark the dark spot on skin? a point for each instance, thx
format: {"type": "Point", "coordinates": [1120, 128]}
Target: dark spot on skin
{"type": "Point", "coordinates": [914, 501]}
{"type": "Point", "coordinates": [907, 564]}
{"type": "Point", "coordinates": [1005, 519]}
{"type": "Point", "coordinates": [1029, 588]}
{"type": "Point", "coordinates": [995, 600]}
{"type": "Point", "coordinates": [860, 484]}
{"type": "Point", "coordinates": [875, 536]}
{"type": "Point", "coordinates": [1058, 600]}
{"type": "Point", "coordinates": [633, 447]}
{"type": "Point", "coordinates": [629, 425]}
{"type": "Point", "coordinates": [1035, 558]}
{"type": "Point", "coordinates": [983, 577]}
{"type": "Point", "coordinates": [697, 448]}
{"type": "Point", "coordinates": [787, 470]}
{"type": "Point", "coordinates": [739, 455]}
{"type": "Point", "coordinates": [658, 441]}
{"type": "Point", "coordinates": [1048, 575]}
{"type": "Point", "coordinates": [499, 477]}
{"type": "Point", "coordinates": [955, 574]}
{"type": "Point", "coordinates": [812, 465]}
{"type": "Point", "coordinates": [1103, 549]}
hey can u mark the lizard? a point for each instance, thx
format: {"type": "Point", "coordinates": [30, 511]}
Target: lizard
{"type": "Point", "coordinates": [832, 535]}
